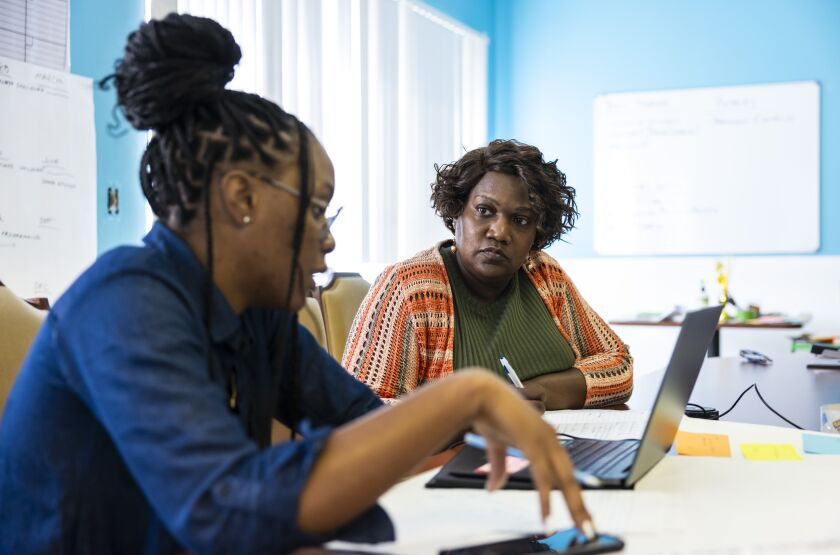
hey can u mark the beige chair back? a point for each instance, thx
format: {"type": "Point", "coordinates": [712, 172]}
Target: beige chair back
{"type": "Point", "coordinates": [19, 322]}
{"type": "Point", "coordinates": [311, 318]}
{"type": "Point", "coordinates": [340, 301]}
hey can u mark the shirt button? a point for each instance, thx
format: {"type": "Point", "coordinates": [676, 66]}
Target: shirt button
{"type": "Point", "coordinates": [223, 489]}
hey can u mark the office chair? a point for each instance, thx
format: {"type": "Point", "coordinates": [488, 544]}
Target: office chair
{"type": "Point", "coordinates": [311, 318]}
{"type": "Point", "coordinates": [19, 322]}
{"type": "Point", "coordinates": [340, 300]}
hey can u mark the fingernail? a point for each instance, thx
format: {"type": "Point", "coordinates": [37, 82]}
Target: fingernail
{"type": "Point", "coordinates": [588, 530]}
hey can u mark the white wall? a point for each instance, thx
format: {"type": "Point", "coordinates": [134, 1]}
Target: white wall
{"type": "Point", "coordinates": [794, 285]}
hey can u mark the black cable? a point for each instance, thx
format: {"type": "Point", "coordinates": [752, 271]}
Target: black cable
{"type": "Point", "coordinates": [766, 404]}
{"type": "Point", "coordinates": [757, 392]}
{"type": "Point", "coordinates": [706, 412]}
{"type": "Point", "coordinates": [727, 411]}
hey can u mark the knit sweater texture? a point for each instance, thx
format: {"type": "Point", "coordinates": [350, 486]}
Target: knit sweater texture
{"type": "Point", "coordinates": [403, 334]}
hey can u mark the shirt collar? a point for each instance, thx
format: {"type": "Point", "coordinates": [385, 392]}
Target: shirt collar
{"type": "Point", "coordinates": [224, 323]}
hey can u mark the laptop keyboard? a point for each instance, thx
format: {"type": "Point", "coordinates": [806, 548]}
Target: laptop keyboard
{"type": "Point", "coordinates": [600, 457]}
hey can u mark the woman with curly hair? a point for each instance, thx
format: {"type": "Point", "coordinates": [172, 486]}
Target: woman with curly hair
{"type": "Point", "coordinates": [491, 292]}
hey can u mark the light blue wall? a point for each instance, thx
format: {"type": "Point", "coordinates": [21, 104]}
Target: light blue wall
{"type": "Point", "coordinates": [562, 53]}
{"type": "Point", "coordinates": [481, 16]}
{"type": "Point", "coordinates": [98, 31]}
{"type": "Point", "coordinates": [548, 60]}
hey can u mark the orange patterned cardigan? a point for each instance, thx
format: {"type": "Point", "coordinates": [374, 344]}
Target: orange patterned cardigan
{"type": "Point", "coordinates": [403, 334]}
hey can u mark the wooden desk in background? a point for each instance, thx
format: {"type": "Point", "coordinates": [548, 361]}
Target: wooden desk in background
{"type": "Point", "coordinates": [714, 348]}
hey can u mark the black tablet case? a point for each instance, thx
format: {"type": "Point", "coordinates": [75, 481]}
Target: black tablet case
{"type": "Point", "coordinates": [459, 473]}
{"type": "Point", "coordinates": [825, 364]}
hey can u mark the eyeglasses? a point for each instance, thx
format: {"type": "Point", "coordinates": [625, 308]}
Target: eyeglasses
{"type": "Point", "coordinates": [319, 207]}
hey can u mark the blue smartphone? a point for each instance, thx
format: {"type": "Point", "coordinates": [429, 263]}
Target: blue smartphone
{"type": "Point", "coordinates": [565, 542]}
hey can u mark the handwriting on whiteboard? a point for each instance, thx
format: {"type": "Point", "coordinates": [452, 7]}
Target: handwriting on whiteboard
{"type": "Point", "coordinates": [701, 171]}
{"type": "Point", "coordinates": [48, 177]}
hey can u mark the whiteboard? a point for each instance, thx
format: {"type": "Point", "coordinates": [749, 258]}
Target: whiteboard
{"type": "Point", "coordinates": [707, 171]}
{"type": "Point", "coordinates": [47, 178]}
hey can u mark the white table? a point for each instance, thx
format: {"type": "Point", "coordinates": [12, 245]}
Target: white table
{"type": "Point", "coordinates": [684, 505]}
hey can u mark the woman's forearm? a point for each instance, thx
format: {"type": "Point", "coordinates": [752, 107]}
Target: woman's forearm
{"type": "Point", "coordinates": [366, 457]}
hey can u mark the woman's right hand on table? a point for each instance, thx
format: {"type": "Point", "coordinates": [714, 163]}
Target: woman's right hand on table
{"type": "Point", "coordinates": [505, 419]}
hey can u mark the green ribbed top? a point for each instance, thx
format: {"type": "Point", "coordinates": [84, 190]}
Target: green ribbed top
{"type": "Point", "coordinates": [516, 325]}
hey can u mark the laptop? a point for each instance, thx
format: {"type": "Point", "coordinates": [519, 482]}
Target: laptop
{"type": "Point", "coordinates": [621, 463]}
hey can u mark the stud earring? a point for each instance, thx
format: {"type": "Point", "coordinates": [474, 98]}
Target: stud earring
{"type": "Point", "coordinates": [246, 220]}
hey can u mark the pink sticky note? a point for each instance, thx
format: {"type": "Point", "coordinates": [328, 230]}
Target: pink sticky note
{"type": "Point", "coordinates": [512, 465]}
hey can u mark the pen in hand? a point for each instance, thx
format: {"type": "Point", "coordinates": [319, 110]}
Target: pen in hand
{"type": "Point", "coordinates": [511, 373]}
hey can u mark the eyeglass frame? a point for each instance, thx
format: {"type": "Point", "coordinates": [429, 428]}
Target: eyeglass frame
{"type": "Point", "coordinates": [323, 205]}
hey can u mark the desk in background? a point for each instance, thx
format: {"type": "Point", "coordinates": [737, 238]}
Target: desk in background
{"type": "Point", "coordinates": [790, 388]}
{"type": "Point", "coordinates": [714, 348]}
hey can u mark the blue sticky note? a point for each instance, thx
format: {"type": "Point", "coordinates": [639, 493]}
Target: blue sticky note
{"type": "Point", "coordinates": [821, 444]}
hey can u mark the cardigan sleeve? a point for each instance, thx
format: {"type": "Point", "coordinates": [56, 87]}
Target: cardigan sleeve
{"type": "Point", "coordinates": [382, 349]}
{"type": "Point", "coordinates": [604, 359]}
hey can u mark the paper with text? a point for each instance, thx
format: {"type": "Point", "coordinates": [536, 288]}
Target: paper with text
{"type": "Point", "coordinates": [599, 423]}
{"type": "Point", "coordinates": [47, 178]}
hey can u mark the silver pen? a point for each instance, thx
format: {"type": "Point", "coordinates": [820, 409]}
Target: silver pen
{"type": "Point", "coordinates": [511, 373]}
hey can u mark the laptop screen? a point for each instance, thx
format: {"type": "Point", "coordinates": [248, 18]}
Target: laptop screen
{"type": "Point", "coordinates": [680, 376]}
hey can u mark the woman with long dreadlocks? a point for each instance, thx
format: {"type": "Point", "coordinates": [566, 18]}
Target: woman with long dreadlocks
{"type": "Point", "coordinates": [140, 420]}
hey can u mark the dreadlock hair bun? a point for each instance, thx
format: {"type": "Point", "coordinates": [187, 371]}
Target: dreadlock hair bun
{"type": "Point", "coordinates": [172, 67]}
{"type": "Point", "coordinates": [172, 80]}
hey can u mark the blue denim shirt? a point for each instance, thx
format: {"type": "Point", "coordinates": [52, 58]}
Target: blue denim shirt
{"type": "Point", "coordinates": [118, 438]}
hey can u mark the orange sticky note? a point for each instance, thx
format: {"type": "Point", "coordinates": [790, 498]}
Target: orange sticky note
{"type": "Point", "coordinates": [770, 452]}
{"type": "Point", "coordinates": [703, 445]}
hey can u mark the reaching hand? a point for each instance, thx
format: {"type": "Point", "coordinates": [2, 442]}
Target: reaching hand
{"type": "Point", "coordinates": [382, 446]}
{"type": "Point", "coordinates": [505, 419]}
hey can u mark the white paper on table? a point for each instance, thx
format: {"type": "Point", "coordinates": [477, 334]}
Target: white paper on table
{"type": "Point", "coordinates": [598, 423]}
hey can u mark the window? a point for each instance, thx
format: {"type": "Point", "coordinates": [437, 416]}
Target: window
{"type": "Point", "coordinates": [391, 87]}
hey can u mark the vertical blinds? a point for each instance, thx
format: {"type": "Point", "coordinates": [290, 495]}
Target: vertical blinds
{"type": "Point", "coordinates": [390, 87]}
